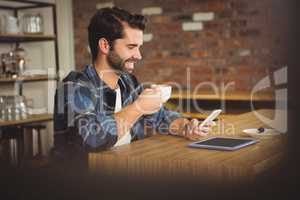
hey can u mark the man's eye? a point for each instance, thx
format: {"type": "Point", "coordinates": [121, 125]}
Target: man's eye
{"type": "Point", "coordinates": [130, 47]}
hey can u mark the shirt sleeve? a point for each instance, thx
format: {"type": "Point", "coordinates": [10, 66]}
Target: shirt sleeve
{"type": "Point", "coordinates": [162, 120]}
{"type": "Point", "coordinates": [97, 127]}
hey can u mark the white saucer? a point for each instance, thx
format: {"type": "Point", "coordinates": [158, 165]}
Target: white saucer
{"type": "Point", "coordinates": [255, 132]}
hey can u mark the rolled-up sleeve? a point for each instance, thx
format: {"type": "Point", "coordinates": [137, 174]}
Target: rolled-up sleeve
{"type": "Point", "coordinates": [162, 119]}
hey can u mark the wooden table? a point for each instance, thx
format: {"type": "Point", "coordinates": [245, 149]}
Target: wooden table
{"type": "Point", "coordinates": [28, 78]}
{"type": "Point", "coordinates": [30, 119]}
{"type": "Point", "coordinates": [162, 156]}
{"type": "Point", "coordinates": [17, 145]}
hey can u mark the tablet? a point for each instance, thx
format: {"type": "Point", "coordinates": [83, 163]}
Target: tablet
{"type": "Point", "coordinates": [223, 143]}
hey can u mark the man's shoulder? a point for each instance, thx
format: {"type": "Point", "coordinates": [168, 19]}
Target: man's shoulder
{"type": "Point", "coordinates": [78, 76]}
{"type": "Point", "coordinates": [72, 76]}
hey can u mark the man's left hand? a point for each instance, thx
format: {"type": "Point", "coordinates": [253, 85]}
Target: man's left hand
{"type": "Point", "coordinates": [193, 130]}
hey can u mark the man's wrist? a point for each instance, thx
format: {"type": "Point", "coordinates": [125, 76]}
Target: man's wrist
{"type": "Point", "coordinates": [134, 111]}
{"type": "Point", "coordinates": [126, 118]}
{"type": "Point", "coordinates": [135, 108]}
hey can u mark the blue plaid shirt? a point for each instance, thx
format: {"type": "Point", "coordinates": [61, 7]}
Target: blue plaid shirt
{"type": "Point", "coordinates": [84, 111]}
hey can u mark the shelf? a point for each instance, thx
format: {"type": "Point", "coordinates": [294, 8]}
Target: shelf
{"type": "Point", "coordinates": [15, 6]}
{"type": "Point", "coordinates": [30, 119]}
{"type": "Point", "coordinates": [22, 4]}
{"type": "Point", "coordinates": [9, 38]}
{"type": "Point", "coordinates": [33, 78]}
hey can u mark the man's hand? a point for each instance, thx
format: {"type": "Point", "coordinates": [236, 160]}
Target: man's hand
{"type": "Point", "coordinates": [193, 130]}
{"type": "Point", "coordinates": [190, 129]}
{"type": "Point", "coordinates": [149, 101]}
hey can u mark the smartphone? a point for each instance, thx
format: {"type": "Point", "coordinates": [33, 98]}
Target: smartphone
{"type": "Point", "coordinates": [211, 117]}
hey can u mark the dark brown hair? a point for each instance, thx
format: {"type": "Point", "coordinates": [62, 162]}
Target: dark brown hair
{"type": "Point", "coordinates": [107, 23]}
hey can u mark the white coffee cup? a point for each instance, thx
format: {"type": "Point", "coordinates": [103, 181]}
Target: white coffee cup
{"type": "Point", "coordinates": [166, 91]}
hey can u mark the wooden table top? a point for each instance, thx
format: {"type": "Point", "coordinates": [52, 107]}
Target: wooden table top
{"type": "Point", "coordinates": [169, 155]}
{"type": "Point", "coordinates": [29, 78]}
{"type": "Point", "coordinates": [229, 95]}
{"type": "Point", "coordinates": [30, 119]}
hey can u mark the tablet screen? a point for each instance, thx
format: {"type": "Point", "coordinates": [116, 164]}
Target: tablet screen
{"type": "Point", "coordinates": [225, 142]}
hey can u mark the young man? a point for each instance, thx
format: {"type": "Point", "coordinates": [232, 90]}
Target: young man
{"type": "Point", "coordinates": [104, 105]}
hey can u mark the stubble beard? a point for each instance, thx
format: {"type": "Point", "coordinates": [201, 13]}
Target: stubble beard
{"type": "Point", "coordinates": [116, 62]}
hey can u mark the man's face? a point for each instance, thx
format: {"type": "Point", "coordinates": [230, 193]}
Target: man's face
{"type": "Point", "coordinates": [126, 50]}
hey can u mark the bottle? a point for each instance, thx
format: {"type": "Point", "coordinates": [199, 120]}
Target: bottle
{"type": "Point", "coordinates": [20, 60]}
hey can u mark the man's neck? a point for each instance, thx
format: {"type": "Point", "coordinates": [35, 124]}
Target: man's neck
{"type": "Point", "coordinates": [107, 74]}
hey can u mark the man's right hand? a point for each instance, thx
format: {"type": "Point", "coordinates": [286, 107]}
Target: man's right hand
{"type": "Point", "coordinates": [149, 101]}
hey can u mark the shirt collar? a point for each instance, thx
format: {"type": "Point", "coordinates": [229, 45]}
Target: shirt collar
{"type": "Point", "coordinates": [98, 82]}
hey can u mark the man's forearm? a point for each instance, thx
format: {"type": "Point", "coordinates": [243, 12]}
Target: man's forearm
{"type": "Point", "coordinates": [126, 118]}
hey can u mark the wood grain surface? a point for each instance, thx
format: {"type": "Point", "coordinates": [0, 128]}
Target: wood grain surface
{"type": "Point", "coordinates": [164, 155]}
{"type": "Point", "coordinates": [30, 119]}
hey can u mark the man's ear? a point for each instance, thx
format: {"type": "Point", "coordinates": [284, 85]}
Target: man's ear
{"type": "Point", "coordinates": [103, 46]}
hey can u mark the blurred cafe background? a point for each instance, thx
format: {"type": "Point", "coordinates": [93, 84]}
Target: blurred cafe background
{"type": "Point", "coordinates": [213, 53]}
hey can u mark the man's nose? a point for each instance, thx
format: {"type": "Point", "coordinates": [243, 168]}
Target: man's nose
{"type": "Point", "coordinates": [138, 55]}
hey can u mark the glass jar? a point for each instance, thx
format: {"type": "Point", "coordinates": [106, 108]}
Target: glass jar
{"type": "Point", "coordinates": [32, 23]}
{"type": "Point", "coordinates": [2, 108]}
{"type": "Point", "coordinates": [13, 107]}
